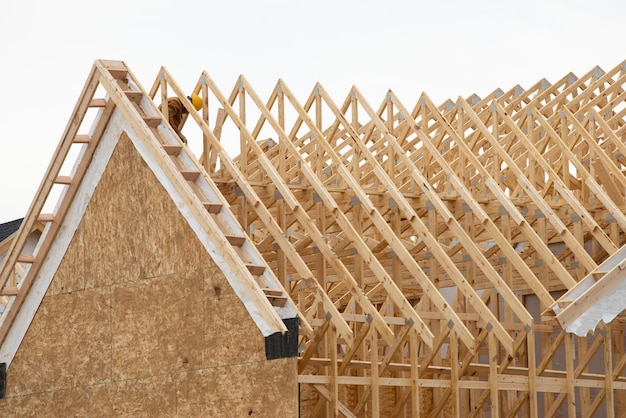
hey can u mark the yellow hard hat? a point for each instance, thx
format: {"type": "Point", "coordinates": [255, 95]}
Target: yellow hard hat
{"type": "Point", "coordinates": [196, 101]}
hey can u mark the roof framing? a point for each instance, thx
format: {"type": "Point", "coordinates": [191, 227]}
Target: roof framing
{"type": "Point", "coordinates": [413, 241]}
{"type": "Point", "coordinates": [494, 198]}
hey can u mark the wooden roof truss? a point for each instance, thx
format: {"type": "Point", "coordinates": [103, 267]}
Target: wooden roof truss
{"type": "Point", "coordinates": [427, 228]}
{"type": "Point", "coordinates": [436, 255]}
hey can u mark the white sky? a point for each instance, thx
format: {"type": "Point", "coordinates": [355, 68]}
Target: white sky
{"type": "Point", "coordinates": [446, 49]}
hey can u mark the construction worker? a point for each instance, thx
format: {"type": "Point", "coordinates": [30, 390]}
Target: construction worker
{"type": "Point", "coordinates": [176, 111]}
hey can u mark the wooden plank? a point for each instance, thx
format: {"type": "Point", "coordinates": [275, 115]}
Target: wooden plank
{"type": "Point", "coordinates": [172, 150]}
{"type": "Point", "coordinates": [569, 367]}
{"type": "Point", "coordinates": [375, 373]}
{"type": "Point", "coordinates": [82, 139]}
{"type": "Point", "coordinates": [273, 292]}
{"type": "Point", "coordinates": [26, 258]}
{"type": "Point", "coordinates": [276, 297]}
{"type": "Point", "coordinates": [278, 301]}
{"type": "Point", "coordinates": [213, 208]}
{"type": "Point", "coordinates": [134, 96]}
{"type": "Point", "coordinates": [152, 121]}
{"type": "Point", "coordinates": [118, 73]}
{"type": "Point", "coordinates": [63, 180]}
{"type": "Point", "coordinates": [415, 389]}
{"type": "Point", "coordinates": [190, 175]}
{"type": "Point", "coordinates": [532, 375]}
{"type": "Point", "coordinates": [493, 375]}
{"type": "Point", "coordinates": [97, 103]}
{"type": "Point", "coordinates": [9, 291]}
{"type": "Point", "coordinates": [236, 240]}
{"type": "Point", "coordinates": [585, 394]}
{"type": "Point", "coordinates": [45, 217]}
{"type": "Point", "coordinates": [255, 269]}
{"type": "Point", "coordinates": [334, 371]}
{"type": "Point", "coordinates": [608, 367]}
{"type": "Point", "coordinates": [618, 353]}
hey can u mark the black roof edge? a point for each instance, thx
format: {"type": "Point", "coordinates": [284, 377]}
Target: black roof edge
{"type": "Point", "coordinates": [9, 228]}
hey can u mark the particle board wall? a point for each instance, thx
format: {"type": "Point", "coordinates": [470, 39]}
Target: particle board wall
{"type": "Point", "coordinates": [139, 321]}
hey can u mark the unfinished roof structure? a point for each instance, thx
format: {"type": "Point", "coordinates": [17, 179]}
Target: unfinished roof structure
{"type": "Point", "coordinates": [442, 260]}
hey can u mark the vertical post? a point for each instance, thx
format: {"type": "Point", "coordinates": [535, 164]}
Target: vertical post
{"type": "Point", "coordinates": [281, 208]}
{"type": "Point", "coordinates": [454, 373]}
{"type": "Point", "coordinates": [585, 393]}
{"type": "Point", "coordinates": [205, 117]}
{"type": "Point", "coordinates": [545, 337]}
{"type": "Point", "coordinates": [532, 374]}
{"type": "Point", "coordinates": [243, 148]}
{"type": "Point", "coordinates": [565, 171]}
{"type": "Point", "coordinates": [509, 317]}
{"type": "Point", "coordinates": [569, 372]}
{"type": "Point", "coordinates": [163, 88]}
{"type": "Point", "coordinates": [496, 134]}
{"type": "Point", "coordinates": [608, 372]}
{"type": "Point", "coordinates": [434, 324]}
{"type": "Point", "coordinates": [618, 350]}
{"type": "Point", "coordinates": [391, 162]}
{"type": "Point", "coordinates": [493, 375]}
{"type": "Point", "coordinates": [462, 172]}
{"type": "Point", "coordinates": [375, 370]}
{"type": "Point", "coordinates": [243, 155]}
{"type": "Point", "coordinates": [532, 170]}
{"type": "Point", "coordinates": [334, 386]}
{"type": "Point", "coordinates": [415, 383]}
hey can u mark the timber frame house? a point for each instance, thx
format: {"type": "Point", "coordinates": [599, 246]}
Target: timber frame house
{"type": "Point", "coordinates": [456, 259]}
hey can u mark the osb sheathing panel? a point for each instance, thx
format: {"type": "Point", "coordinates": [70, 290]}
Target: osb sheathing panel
{"type": "Point", "coordinates": [140, 322]}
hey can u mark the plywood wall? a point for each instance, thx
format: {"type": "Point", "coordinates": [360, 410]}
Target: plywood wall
{"type": "Point", "coordinates": [138, 320]}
